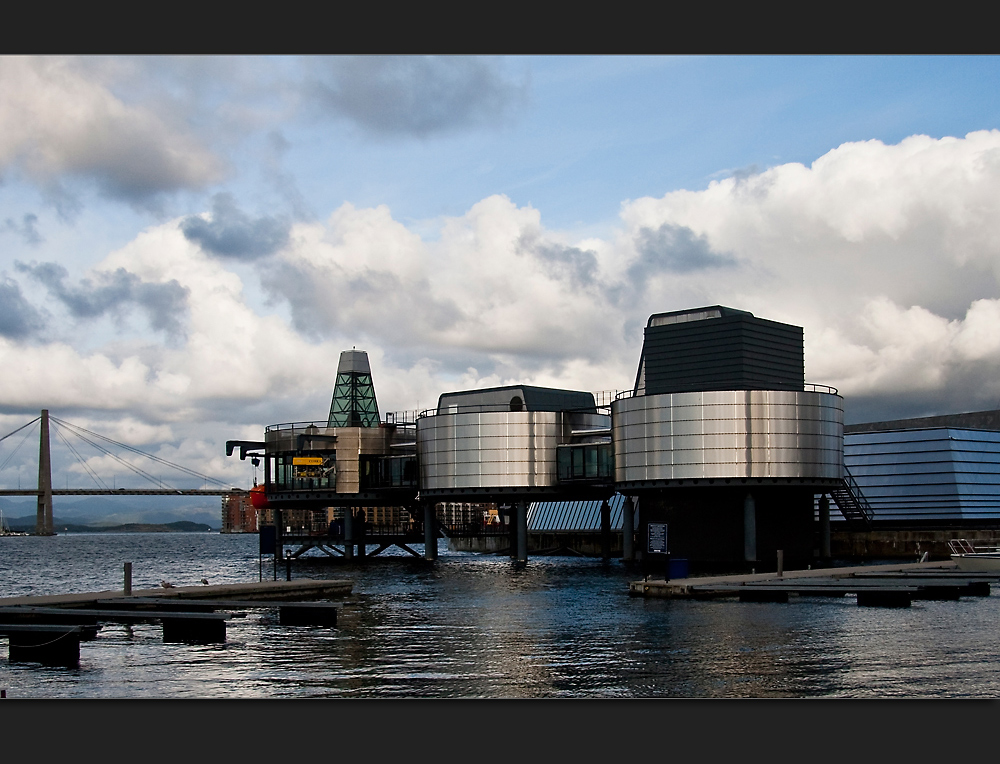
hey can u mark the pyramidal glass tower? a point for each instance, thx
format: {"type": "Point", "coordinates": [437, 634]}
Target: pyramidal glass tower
{"type": "Point", "coordinates": [354, 403]}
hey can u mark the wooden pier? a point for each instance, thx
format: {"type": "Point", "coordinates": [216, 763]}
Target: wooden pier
{"type": "Point", "coordinates": [873, 585]}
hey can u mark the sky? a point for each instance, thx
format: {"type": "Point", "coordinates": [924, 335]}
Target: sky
{"type": "Point", "coordinates": [187, 244]}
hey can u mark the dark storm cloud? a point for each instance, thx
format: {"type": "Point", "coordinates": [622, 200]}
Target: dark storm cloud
{"type": "Point", "coordinates": [415, 95]}
{"type": "Point", "coordinates": [675, 249]}
{"type": "Point", "coordinates": [18, 318]}
{"type": "Point", "coordinates": [232, 233]}
{"type": "Point", "coordinates": [581, 264]}
{"type": "Point", "coordinates": [114, 293]}
{"type": "Point", "coordinates": [26, 228]}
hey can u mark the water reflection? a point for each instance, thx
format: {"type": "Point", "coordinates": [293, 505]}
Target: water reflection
{"type": "Point", "coordinates": [480, 626]}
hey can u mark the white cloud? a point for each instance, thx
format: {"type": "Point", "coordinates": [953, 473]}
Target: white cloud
{"type": "Point", "coordinates": [894, 286]}
{"type": "Point", "coordinates": [888, 255]}
{"type": "Point", "coordinates": [57, 121]}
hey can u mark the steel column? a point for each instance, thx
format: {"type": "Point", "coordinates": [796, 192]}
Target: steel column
{"type": "Point", "coordinates": [824, 527]}
{"type": "Point", "coordinates": [430, 533]}
{"type": "Point", "coordinates": [521, 511]}
{"type": "Point", "coordinates": [349, 533]}
{"type": "Point", "coordinates": [279, 540]}
{"type": "Point", "coordinates": [749, 529]}
{"type": "Point", "coordinates": [628, 528]}
{"type": "Point", "coordinates": [605, 531]}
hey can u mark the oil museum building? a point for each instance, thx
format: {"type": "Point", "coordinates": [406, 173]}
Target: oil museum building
{"type": "Point", "coordinates": [721, 439]}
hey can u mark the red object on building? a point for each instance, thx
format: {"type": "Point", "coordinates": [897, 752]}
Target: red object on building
{"type": "Point", "coordinates": [258, 497]}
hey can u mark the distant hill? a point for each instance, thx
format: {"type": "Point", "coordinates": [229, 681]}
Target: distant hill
{"type": "Point", "coordinates": [181, 526]}
{"type": "Point", "coordinates": [117, 510]}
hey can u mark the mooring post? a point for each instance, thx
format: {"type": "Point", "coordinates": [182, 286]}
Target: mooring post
{"type": "Point", "coordinates": [522, 531]}
{"type": "Point", "coordinates": [824, 527]}
{"type": "Point", "coordinates": [43, 518]}
{"type": "Point", "coordinates": [781, 562]}
{"type": "Point", "coordinates": [430, 532]}
{"type": "Point", "coordinates": [128, 579]}
{"type": "Point", "coordinates": [628, 530]}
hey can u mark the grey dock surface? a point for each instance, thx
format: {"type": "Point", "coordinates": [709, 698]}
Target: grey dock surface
{"type": "Point", "coordinates": [853, 579]}
{"type": "Point", "coordinates": [300, 589]}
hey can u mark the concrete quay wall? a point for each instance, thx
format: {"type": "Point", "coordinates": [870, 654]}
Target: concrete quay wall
{"type": "Point", "coordinates": [904, 544]}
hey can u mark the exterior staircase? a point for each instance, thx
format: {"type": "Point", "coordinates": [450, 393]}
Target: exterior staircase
{"type": "Point", "coordinates": [852, 502]}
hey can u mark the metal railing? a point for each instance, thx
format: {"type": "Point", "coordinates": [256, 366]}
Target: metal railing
{"type": "Point", "coordinates": [397, 418]}
{"type": "Point", "coordinates": [809, 387]}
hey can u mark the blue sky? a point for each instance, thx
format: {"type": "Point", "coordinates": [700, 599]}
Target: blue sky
{"type": "Point", "coordinates": [186, 244]}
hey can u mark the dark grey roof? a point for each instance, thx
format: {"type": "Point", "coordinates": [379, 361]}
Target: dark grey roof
{"type": "Point", "coordinates": [694, 314]}
{"type": "Point", "coordinates": [533, 399]}
{"type": "Point", "coordinates": [973, 420]}
{"type": "Point", "coordinates": [354, 361]}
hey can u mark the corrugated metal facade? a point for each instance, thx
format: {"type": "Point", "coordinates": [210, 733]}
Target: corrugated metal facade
{"type": "Point", "coordinates": [945, 474]}
{"type": "Point", "coordinates": [575, 515]}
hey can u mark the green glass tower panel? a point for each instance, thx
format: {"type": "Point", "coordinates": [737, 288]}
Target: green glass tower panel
{"type": "Point", "coordinates": [353, 403]}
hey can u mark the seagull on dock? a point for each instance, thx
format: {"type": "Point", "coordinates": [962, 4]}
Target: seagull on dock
{"type": "Point", "coordinates": [166, 585]}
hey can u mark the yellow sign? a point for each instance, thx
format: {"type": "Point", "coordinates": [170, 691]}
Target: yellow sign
{"type": "Point", "coordinates": [316, 461]}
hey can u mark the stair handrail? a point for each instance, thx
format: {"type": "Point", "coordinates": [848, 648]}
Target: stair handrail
{"type": "Point", "coordinates": [859, 497]}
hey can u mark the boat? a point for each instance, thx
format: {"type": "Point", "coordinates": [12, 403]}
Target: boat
{"type": "Point", "coordinates": [5, 529]}
{"type": "Point", "coordinates": [975, 558]}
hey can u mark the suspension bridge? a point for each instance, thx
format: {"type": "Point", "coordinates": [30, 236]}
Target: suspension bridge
{"type": "Point", "coordinates": [45, 491]}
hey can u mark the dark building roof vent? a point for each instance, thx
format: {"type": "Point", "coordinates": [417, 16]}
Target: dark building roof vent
{"type": "Point", "coordinates": [718, 348]}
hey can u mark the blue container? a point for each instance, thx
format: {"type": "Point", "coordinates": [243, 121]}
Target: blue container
{"type": "Point", "coordinates": [678, 568]}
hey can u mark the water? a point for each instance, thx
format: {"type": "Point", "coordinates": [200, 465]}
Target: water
{"type": "Point", "coordinates": [473, 626]}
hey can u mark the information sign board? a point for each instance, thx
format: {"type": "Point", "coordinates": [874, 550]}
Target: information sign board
{"type": "Point", "coordinates": [656, 538]}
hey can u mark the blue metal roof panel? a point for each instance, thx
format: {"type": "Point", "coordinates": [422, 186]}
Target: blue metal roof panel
{"type": "Point", "coordinates": [573, 515]}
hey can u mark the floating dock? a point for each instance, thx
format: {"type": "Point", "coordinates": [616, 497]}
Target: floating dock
{"type": "Point", "coordinates": [304, 588]}
{"type": "Point", "coordinates": [876, 585]}
{"type": "Point", "coordinates": [48, 629]}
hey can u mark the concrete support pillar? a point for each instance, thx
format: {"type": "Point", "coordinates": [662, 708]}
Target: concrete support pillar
{"type": "Point", "coordinates": [349, 533]}
{"type": "Point", "coordinates": [430, 533]}
{"type": "Point", "coordinates": [521, 518]}
{"type": "Point", "coordinates": [605, 531]}
{"type": "Point", "coordinates": [749, 529]}
{"type": "Point", "coordinates": [824, 527]}
{"type": "Point", "coordinates": [628, 526]}
{"type": "Point", "coordinates": [43, 518]}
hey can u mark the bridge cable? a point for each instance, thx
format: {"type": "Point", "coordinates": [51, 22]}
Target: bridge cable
{"type": "Point", "coordinates": [20, 428]}
{"type": "Point", "coordinates": [18, 446]}
{"type": "Point", "coordinates": [138, 471]}
{"type": "Point", "coordinates": [97, 481]}
{"type": "Point", "coordinates": [179, 467]}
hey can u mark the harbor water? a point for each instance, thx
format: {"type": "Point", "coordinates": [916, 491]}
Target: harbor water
{"type": "Point", "coordinates": [481, 626]}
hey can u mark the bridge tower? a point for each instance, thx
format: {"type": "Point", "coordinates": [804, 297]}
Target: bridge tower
{"type": "Point", "coordinates": [43, 519]}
